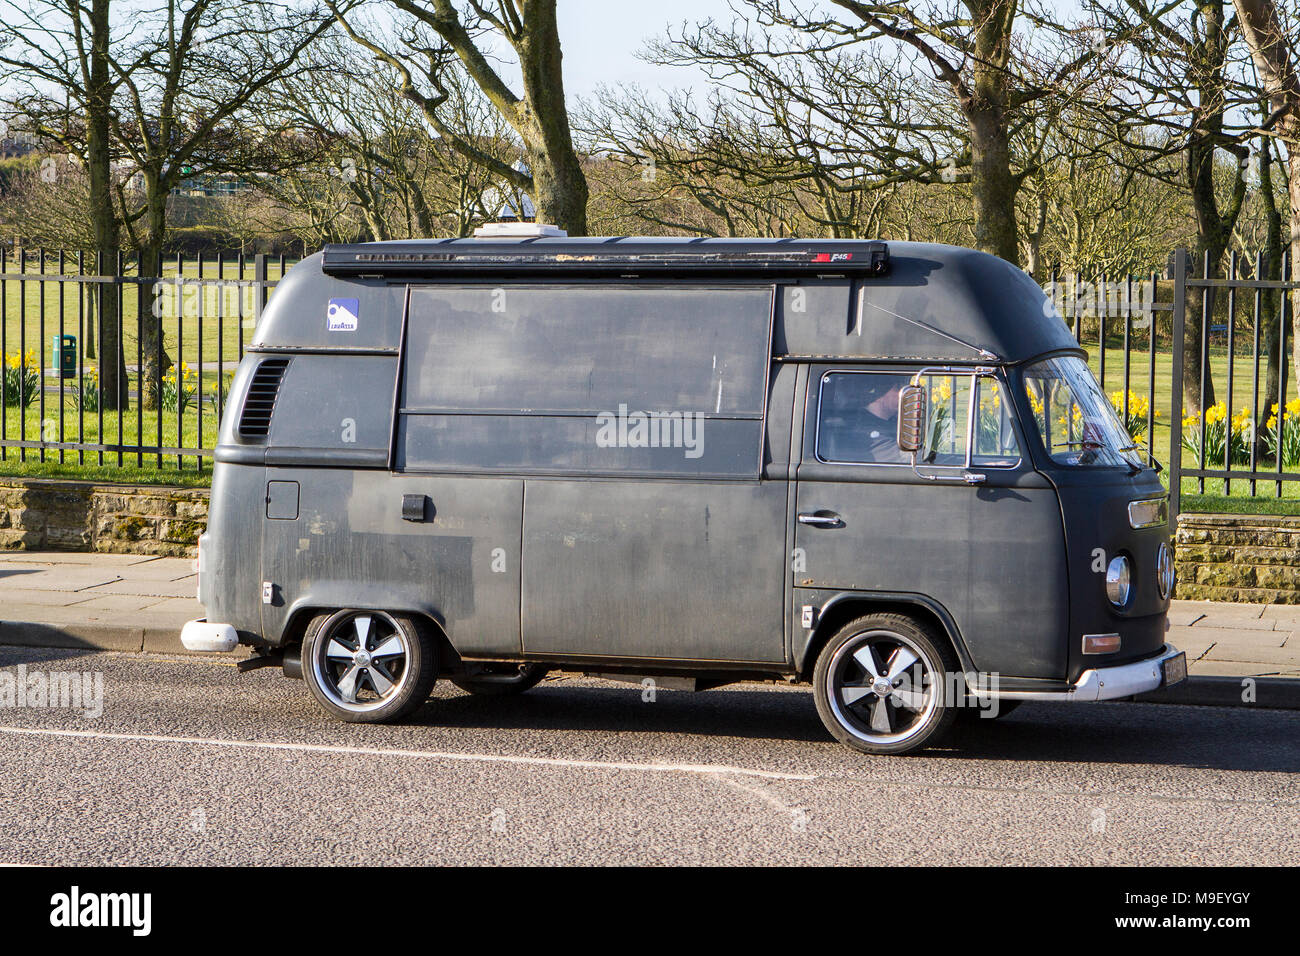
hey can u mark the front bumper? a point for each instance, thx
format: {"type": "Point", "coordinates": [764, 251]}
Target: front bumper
{"type": "Point", "coordinates": [209, 638]}
{"type": "Point", "coordinates": [1104, 683]}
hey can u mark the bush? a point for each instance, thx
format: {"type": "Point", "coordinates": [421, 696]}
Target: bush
{"type": "Point", "coordinates": [85, 397]}
{"type": "Point", "coordinates": [1136, 420]}
{"type": "Point", "coordinates": [1284, 435]}
{"type": "Point", "coordinates": [179, 387]}
{"type": "Point", "coordinates": [1239, 434]}
{"type": "Point", "coordinates": [22, 380]}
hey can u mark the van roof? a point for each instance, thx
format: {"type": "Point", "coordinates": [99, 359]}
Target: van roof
{"type": "Point", "coordinates": [616, 255]}
{"type": "Point", "coordinates": [859, 299]}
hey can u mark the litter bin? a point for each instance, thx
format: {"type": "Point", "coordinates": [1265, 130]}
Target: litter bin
{"type": "Point", "coordinates": [64, 348]}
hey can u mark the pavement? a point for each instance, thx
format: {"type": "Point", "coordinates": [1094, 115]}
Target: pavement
{"type": "Point", "coordinates": [190, 762]}
{"type": "Point", "coordinates": [125, 602]}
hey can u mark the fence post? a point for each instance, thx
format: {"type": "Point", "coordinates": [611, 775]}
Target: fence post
{"type": "Point", "coordinates": [259, 278]}
{"type": "Point", "coordinates": [1176, 398]}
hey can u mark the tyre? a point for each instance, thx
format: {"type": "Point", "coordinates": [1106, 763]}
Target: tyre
{"type": "Point", "coordinates": [884, 684]}
{"type": "Point", "coordinates": [368, 667]}
{"type": "Point", "coordinates": [499, 680]}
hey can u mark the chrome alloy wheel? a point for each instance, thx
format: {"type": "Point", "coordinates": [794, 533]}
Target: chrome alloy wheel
{"type": "Point", "coordinates": [881, 687]}
{"type": "Point", "coordinates": [361, 661]}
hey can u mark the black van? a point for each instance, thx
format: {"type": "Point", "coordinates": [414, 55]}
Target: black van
{"type": "Point", "coordinates": [884, 469]}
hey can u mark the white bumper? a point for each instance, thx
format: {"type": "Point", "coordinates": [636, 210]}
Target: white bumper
{"type": "Point", "coordinates": [209, 638]}
{"type": "Point", "coordinates": [1103, 683]}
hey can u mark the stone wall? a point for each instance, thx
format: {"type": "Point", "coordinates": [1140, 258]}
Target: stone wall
{"type": "Point", "coordinates": [1250, 558]}
{"type": "Point", "coordinates": [39, 514]}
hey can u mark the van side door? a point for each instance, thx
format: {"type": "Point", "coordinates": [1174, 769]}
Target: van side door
{"type": "Point", "coordinates": [991, 555]}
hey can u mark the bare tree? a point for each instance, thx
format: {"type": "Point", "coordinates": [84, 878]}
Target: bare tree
{"type": "Point", "coordinates": [402, 180]}
{"type": "Point", "coordinates": [61, 55]}
{"type": "Point", "coordinates": [1177, 114]}
{"type": "Point", "coordinates": [1273, 47]}
{"type": "Point", "coordinates": [538, 114]}
{"type": "Point", "coordinates": [186, 81]}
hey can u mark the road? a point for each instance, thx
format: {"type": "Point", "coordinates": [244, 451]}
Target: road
{"type": "Point", "coordinates": [191, 762]}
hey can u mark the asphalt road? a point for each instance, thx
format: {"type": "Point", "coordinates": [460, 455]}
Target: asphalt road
{"type": "Point", "coordinates": [193, 763]}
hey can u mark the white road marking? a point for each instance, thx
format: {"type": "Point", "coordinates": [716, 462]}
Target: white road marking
{"type": "Point", "coordinates": [708, 769]}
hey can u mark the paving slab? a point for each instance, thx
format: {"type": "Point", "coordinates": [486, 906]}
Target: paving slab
{"type": "Point", "coordinates": [54, 558]}
{"type": "Point", "coordinates": [158, 589]}
{"type": "Point", "coordinates": [1221, 610]}
{"type": "Point", "coordinates": [1234, 637]}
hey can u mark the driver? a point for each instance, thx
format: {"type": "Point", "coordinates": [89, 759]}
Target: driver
{"type": "Point", "coordinates": [879, 424]}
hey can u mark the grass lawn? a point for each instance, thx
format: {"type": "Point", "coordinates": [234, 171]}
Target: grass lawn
{"type": "Point", "coordinates": [32, 312]}
{"type": "Point", "coordinates": [135, 428]}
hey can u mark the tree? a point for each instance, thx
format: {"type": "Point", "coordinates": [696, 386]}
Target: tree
{"type": "Point", "coordinates": [1176, 115]}
{"type": "Point", "coordinates": [62, 55]}
{"type": "Point", "coordinates": [859, 97]}
{"type": "Point", "coordinates": [186, 80]}
{"type": "Point", "coordinates": [397, 179]}
{"type": "Point", "coordinates": [1274, 50]}
{"type": "Point", "coordinates": [436, 34]}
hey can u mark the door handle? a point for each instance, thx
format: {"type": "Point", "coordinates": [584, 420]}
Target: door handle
{"type": "Point", "coordinates": [822, 519]}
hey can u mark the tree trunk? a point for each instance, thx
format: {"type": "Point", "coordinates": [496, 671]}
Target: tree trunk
{"type": "Point", "coordinates": [993, 187]}
{"type": "Point", "coordinates": [1275, 65]}
{"type": "Point", "coordinates": [1269, 312]}
{"type": "Point", "coordinates": [154, 359]}
{"type": "Point", "coordinates": [559, 185]}
{"type": "Point", "coordinates": [113, 394]}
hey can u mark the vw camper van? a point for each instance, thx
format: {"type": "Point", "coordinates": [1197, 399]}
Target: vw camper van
{"type": "Point", "coordinates": [882, 469]}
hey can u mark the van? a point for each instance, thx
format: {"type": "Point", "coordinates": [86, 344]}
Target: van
{"type": "Point", "coordinates": [882, 469]}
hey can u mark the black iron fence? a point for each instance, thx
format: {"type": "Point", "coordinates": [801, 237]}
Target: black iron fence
{"type": "Point", "coordinates": [1202, 365]}
{"type": "Point", "coordinates": [109, 363]}
{"type": "Point", "coordinates": [1196, 364]}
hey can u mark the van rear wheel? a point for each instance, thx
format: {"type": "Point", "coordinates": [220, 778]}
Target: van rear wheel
{"type": "Point", "coordinates": [499, 680]}
{"type": "Point", "coordinates": [882, 685]}
{"type": "Point", "coordinates": [368, 666]}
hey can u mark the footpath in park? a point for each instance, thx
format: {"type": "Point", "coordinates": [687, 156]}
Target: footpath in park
{"type": "Point", "coordinates": [137, 603]}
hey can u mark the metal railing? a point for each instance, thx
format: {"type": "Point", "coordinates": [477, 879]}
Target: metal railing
{"type": "Point", "coordinates": [1230, 334]}
{"type": "Point", "coordinates": [178, 330]}
{"type": "Point", "coordinates": [182, 327]}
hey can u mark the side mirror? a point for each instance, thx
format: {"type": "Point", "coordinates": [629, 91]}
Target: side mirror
{"type": "Point", "coordinates": [911, 418]}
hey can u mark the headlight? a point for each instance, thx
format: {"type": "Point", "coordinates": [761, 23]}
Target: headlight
{"type": "Point", "coordinates": [1118, 583]}
{"type": "Point", "coordinates": [1165, 570]}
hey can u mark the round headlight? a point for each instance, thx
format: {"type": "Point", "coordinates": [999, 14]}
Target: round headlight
{"type": "Point", "coordinates": [1165, 570]}
{"type": "Point", "coordinates": [1118, 580]}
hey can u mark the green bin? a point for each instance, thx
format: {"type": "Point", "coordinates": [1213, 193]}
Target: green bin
{"type": "Point", "coordinates": [64, 348]}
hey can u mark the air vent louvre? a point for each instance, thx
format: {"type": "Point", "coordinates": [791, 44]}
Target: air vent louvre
{"type": "Point", "coordinates": [255, 420]}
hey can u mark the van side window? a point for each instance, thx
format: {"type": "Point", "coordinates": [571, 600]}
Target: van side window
{"type": "Point", "coordinates": [602, 379]}
{"type": "Point", "coordinates": [857, 420]}
{"type": "Point", "coordinates": [948, 411]}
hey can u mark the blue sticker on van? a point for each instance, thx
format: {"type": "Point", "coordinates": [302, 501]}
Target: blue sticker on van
{"type": "Point", "coordinates": [342, 315]}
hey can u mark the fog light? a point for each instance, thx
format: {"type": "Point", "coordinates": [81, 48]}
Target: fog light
{"type": "Point", "coordinates": [1118, 581]}
{"type": "Point", "coordinates": [1165, 570]}
{"type": "Point", "coordinates": [1100, 643]}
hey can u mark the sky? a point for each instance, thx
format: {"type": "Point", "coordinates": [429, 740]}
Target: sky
{"type": "Point", "coordinates": [600, 40]}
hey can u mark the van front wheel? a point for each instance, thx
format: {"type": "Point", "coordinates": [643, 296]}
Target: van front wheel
{"type": "Point", "coordinates": [882, 685]}
{"type": "Point", "coordinates": [368, 666]}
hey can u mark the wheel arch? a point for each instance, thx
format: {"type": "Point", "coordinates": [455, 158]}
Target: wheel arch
{"type": "Point", "coordinates": [302, 613]}
{"type": "Point", "coordinates": [846, 606]}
